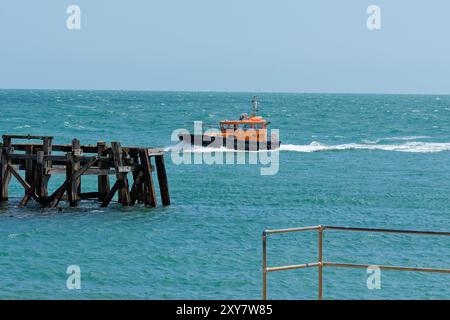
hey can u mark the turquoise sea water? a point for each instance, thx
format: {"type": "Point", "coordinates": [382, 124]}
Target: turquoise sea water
{"type": "Point", "coordinates": [353, 160]}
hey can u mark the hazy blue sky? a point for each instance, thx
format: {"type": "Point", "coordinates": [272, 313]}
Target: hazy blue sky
{"type": "Point", "coordinates": [238, 45]}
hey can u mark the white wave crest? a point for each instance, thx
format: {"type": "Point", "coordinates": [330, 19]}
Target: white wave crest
{"type": "Point", "coordinates": [419, 147]}
{"type": "Point", "coordinates": [407, 138]}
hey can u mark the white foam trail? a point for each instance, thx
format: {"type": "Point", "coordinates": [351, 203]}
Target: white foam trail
{"type": "Point", "coordinates": [407, 138]}
{"type": "Point", "coordinates": [419, 147]}
{"type": "Point", "coordinates": [412, 146]}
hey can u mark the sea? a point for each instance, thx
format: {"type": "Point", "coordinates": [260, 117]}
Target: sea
{"type": "Point", "coordinates": [353, 160]}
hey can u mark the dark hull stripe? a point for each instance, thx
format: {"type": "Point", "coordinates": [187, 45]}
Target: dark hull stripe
{"type": "Point", "coordinates": [237, 144]}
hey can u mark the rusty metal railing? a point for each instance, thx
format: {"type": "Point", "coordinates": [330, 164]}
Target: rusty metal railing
{"type": "Point", "coordinates": [320, 264]}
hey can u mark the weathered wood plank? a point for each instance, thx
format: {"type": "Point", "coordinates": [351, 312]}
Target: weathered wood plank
{"type": "Point", "coordinates": [31, 193]}
{"type": "Point", "coordinates": [124, 193]}
{"type": "Point", "coordinates": [76, 183]}
{"type": "Point", "coordinates": [19, 178]}
{"type": "Point", "coordinates": [47, 163]}
{"type": "Point", "coordinates": [110, 195]}
{"type": "Point", "coordinates": [3, 175]}
{"type": "Point", "coordinates": [69, 173]}
{"type": "Point", "coordinates": [103, 181]}
{"type": "Point", "coordinates": [135, 188]}
{"type": "Point", "coordinates": [85, 168]}
{"type": "Point", "coordinates": [6, 141]}
{"type": "Point", "coordinates": [162, 179]}
{"type": "Point", "coordinates": [29, 168]}
{"type": "Point", "coordinates": [42, 184]}
{"type": "Point", "coordinates": [149, 188]}
{"type": "Point", "coordinates": [55, 198]}
{"type": "Point", "coordinates": [90, 171]}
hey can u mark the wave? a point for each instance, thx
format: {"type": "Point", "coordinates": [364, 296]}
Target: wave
{"type": "Point", "coordinates": [410, 146]}
{"type": "Point", "coordinates": [407, 138]}
{"type": "Point", "coordinates": [418, 147]}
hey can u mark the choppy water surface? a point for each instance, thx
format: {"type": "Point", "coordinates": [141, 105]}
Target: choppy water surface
{"type": "Point", "coordinates": [355, 160]}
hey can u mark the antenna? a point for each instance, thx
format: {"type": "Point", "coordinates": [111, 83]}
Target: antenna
{"type": "Point", "coordinates": [255, 105]}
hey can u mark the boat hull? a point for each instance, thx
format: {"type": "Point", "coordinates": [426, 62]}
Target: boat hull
{"type": "Point", "coordinates": [229, 143]}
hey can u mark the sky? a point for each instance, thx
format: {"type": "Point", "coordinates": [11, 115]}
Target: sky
{"type": "Point", "coordinates": [227, 45]}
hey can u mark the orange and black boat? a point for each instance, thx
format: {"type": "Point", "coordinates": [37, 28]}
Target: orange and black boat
{"type": "Point", "coordinates": [249, 133]}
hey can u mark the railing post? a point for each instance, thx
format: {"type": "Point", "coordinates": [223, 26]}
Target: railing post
{"type": "Point", "coordinates": [264, 265]}
{"type": "Point", "coordinates": [320, 269]}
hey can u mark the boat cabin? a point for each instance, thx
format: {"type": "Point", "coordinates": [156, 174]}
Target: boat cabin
{"type": "Point", "coordinates": [249, 128]}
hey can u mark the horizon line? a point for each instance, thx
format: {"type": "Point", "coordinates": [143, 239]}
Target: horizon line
{"type": "Point", "coordinates": [229, 91]}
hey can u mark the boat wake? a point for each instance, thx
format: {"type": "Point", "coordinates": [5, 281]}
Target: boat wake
{"type": "Point", "coordinates": [410, 146]}
{"type": "Point", "coordinates": [417, 147]}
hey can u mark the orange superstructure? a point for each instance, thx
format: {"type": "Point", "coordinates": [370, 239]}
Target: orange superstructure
{"type": "Point", "coordinates": [251, 128]}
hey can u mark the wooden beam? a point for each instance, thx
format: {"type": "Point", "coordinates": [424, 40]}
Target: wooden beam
{"type": "Point", "coordinates": [149, 188]}
{"type": "Point", "coordinates": [16, 174]}
{"type": "Point", "coordinates": [110, 195]}
{"type": "Point", "coordinates": [80, 172]}
{"type": "Point", "coordinates": [162, 179]}
{"type": "Point", "coordinates": [55, 198]}
{"type": "Point", "coordinates": [29, 168]}
{"type": "Point", "coordinates": [124, 193]}
{"type": "Point", "coordinates": [42, 184]}
{"type": "Point", "coordinates": [76, 183]}
{"type": "Point", "coordinates": [3, 175]}
{"type": "Point", "coordinates": [90, 171]}
{"type": "Point", "coordinates": [29, 137]}
{"type": "Point", "coordinates": [71, 194]}
{"type": "Point", "coordinates": [6, 141]}
{"type": "Point", "coordinates": [47, 163]}
{"type": "Point", "coordinates": [155, 152]}
{"type": "Point", "coordinates": [31, 193]}
{"type": "Point", "coordinates": [135, 188]}
{"type": "Point", "coordinates": [102, 181]}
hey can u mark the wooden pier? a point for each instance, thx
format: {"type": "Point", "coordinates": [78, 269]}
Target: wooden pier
{"type": "Point", "coordinates": [41, 160]}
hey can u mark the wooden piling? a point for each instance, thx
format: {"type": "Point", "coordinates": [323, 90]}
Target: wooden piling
{"type": "Point", "coordinates": [46, 165]}
{"type": "Point", "coordinates": [162, 179]}
{"type": "Point", "coordinates": [121, 174]}
{"type": "Point", "coordinates": [76, 183]}
{"type": "Point", "coordinates": [149, 189]}
{"type": "Point", "coordinates": [71, 187]}
{"type": "Point", "coordinates": [42, 183]}
{"type": "Point", "coordinates": [103, 180]}
{"type": "Point", "coordinates": [29, 169]}
{"type": "Point", "coordinates": [3, 175]}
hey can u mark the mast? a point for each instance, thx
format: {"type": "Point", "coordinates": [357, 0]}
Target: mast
{"type": "Point", "coordinates": [255, 105]}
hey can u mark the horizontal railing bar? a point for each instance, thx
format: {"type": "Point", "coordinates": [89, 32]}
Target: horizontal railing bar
{"type": "Point", "coordinates": [399, 268]}
{"type": "Point", "coordinates": [431, 233]}
{"type": "Point", "coordinates": [398, 231]}
{"type": "Point", "coordinates": [292, 230]}
{"type": "Point", "coordinates": [291, 267]}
